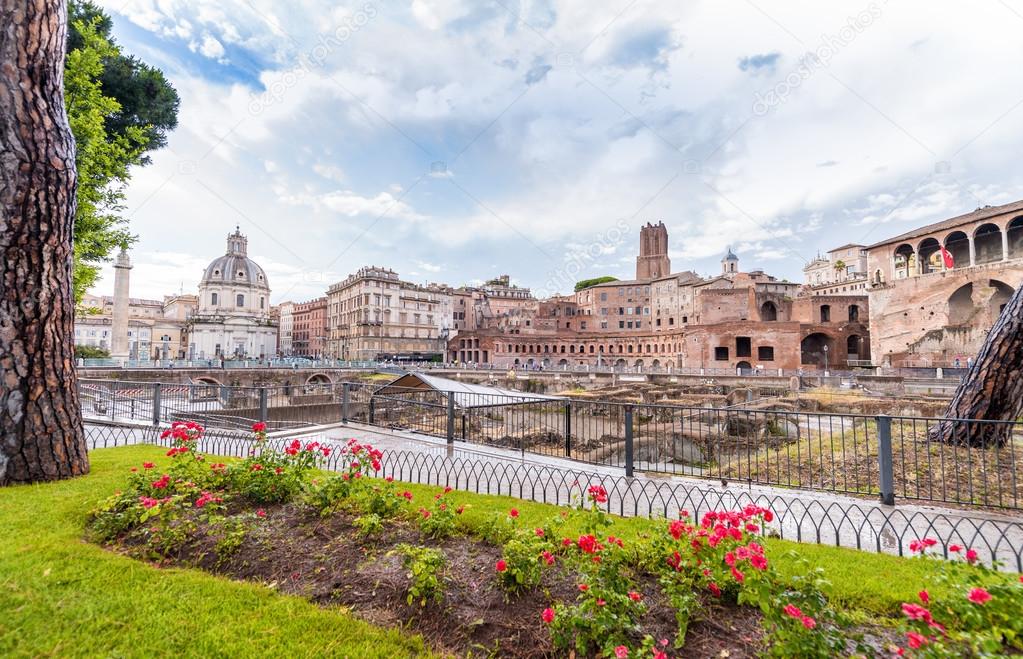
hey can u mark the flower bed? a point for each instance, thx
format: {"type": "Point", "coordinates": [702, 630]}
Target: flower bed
{"type": "Point", "coordinates": [694, 588]}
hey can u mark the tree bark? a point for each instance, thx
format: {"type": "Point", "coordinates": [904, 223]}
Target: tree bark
{"type": "Point", "coordinates": [41, 433]}
{"type": "Point", "coordinates": [992, 391]}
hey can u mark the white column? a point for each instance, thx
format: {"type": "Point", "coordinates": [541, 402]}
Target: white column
{"type": "Point", "coordinates": [973, 251]}
{"type": "Point", "coordinates": [119, 348]}
{"type": "Point", "coordinates": [1005, 245]}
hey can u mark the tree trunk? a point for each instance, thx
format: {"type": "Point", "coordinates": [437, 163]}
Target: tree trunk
{"type": "Point", "coordinates": [41, 434]}
{"type": "Point", "coordinates": [992, 391]}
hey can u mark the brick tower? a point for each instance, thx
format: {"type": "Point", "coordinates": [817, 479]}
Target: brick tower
{"type": "Point", "coordinates": [653, 261]}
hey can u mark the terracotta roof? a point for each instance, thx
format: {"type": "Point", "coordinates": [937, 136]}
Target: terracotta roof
{"type": "Point", "coordinates": [951, 223]}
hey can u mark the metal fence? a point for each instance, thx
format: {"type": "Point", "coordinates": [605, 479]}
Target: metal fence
{"type": "Point", "coordinates": [865, 526]}
{"type": "Point", "coordinates": [889, 457]}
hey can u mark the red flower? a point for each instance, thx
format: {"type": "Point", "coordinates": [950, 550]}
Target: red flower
{"type": "Point", "coordinates": [547, 557]}
{"type": "Point", "coordinates": [538, 532]}
{"type": "Point", "coordinates": [600, 602]}
{"type": "Point", "coordinates": [955, 549]}
{"type": "Point", "coordinates": [738, 576]}
{"type": "Point", "coordinates": [971, 556]}
{"type": "Point", "coordinates": [598, 494]}
{"type": "Point", "coordinates": [979, 596]}
{"type": "Point", "coordinates": [924, 596]}
{"type": "Point", "coordinates": [279, 470]}
{"type": "Point", "coordinates": [916, 612]}
{"type": "Point", "coordinates": [916, 640]}
{"type": "Point", "coordinates": [447, 489]}
{"type": "Point", "coordinates": [259, 426]}
{"type": "Point", "coordinates": [809, 622]}
{"type": "Point", "coordinates": [713, 587]}
{"type": "Point", "coordinates": [256, 467]}
{"type": "Point", "coordinates": [621, 652]}
{"type": "Point", "coordinates": [758, 562]}
{"type": "Point", "coordinates": [389, 479]}
{"type": "Point", "coordinates": [260, 513]}
{"type": "Point", "coordinates": [634, 596]}
{"type": "Point", "coordinates": [588, 544]}
{"type": "Point", "coordinates": [148, 502]}
{"type": "Point", "coordinates": [407, 495]}
{"type": "Point", "coordinates": [162, 483]}
{"type": "Point", "coordinates": [501, 565]}
{"type": "Point", "coordinates": [793, 611]}
{"type": "Point", "coordinates": [148, 465]}
{"type": "Point", "coordinates": [514, 512]}
{"type": "Point", "coordinates": [929, 542]}
{"type": "Point", "coordinates": [583, 587]}
{"type": "Point", "coordinates": [548, 615]}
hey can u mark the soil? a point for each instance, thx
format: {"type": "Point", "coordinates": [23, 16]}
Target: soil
{"type": "Point", "coordinates": [326, 560]}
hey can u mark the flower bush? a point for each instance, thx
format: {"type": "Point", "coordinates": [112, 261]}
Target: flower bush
{"type": "Point", "coordinates": [969, 610]}
{"type": "Point", "coordinates": [974, 611]}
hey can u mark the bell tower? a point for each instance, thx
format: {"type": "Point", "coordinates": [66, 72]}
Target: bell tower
{"type": "Point", "coordinates": [653, 261]}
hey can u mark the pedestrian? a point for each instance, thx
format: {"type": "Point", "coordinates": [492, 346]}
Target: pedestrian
{"type": "Point", "coordinates": [969, 362]}
{"type": "Point", "coordinates": [957, 362]}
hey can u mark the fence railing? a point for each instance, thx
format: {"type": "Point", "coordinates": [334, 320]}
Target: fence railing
{"type": "Point", "coordinates": [866, 526]}
{"type": "Point", "coordinates": [876, 455]}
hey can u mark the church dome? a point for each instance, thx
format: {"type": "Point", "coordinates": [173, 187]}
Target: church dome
{"type": "Point", "coordinates": [235, 268]}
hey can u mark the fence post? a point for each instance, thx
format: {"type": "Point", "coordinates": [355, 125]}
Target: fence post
{"type": "Point", "coordinates": [372, 410]}
{"type": "Point", "coordinates": [568, 429]}
{"type": "Point", "coordinates": [263, 410]}
{"type": "Point", "coordinates": [156, 404]}
{"type": "Point", "coordinates": [628, 441]}
{"type": "Point", "coordinates": [451, 418]}
{"type": "Point", "coordinates": [345, 401]}
{"type": "Point", "coordinates": [884, 459]}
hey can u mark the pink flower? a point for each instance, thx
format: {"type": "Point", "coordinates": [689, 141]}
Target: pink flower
{"type": "Point", "coordinates": [514, 512]}
{"type": "Point", "coordinates": [600, 602]}
{"type": "Point", "coordinates": [501, 565]}
{"type": "Point", "coordinates": [259, 426]}
{"type": "Point", "coordinates": [260, 513]}
{"type": "Point", "coordinates": [598, 494]}
{"type": "Point", "coordinates": [916, 640]}
{"type": "Point", "coordinates": [538, 532]}
{"type": "Point", "coordinates": [548, 615]}
{"type": "Point", "coordinates": [808, 622]}
{"type": "Point", "coordinates": [621, 652]}
{"type": "Point", "coordinates": [148, 502]}
{"type": "Point", "coordinates": [389, 479]}
{"type": "Point", "coordinates": [792, 611]}
{"type": "Point", "coordinates": [634, 596]}
{"type": "Point", "coordinates": [924, 596]}
{"type": "Point", "coordinates": [979, 596]}
{"type": "Point", "coordinates": [583, 587]}
{"type": "Point", "coordinates": [547, 557]}
{"type": "Point", "coordinates": [407, 495]}
{"type": "Point", "coordinates": [148, 465]}
{"type": "Point", "coordinates": [971, 556]}
{"type": "Point", "coordinates": [916, 612]}
{"type": "Point", "coordinates": [955, 549]}
{"type": "Point", "coordinates": [713, 588]}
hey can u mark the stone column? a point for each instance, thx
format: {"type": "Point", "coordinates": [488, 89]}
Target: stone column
{"type": "Point", "coordinates": [119, 330]}
{"type": "Point", "coordinates": [973, 251]}
{"type": "Point", "coordinates": [1005, 245]}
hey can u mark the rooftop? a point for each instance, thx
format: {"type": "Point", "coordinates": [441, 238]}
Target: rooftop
{"type": "Point", "coordinates": [979, 214]}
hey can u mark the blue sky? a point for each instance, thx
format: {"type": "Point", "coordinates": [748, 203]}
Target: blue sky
{"type": "Point", "coordinates": [456, 140]}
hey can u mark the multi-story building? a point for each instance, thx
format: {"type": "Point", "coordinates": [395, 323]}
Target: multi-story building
{"type": "Point", "coordinates": [155, 329]}
{"type": "Point", "coordinates": [733, 320]}
{"type": "Point", "coordinates": [285, 328]}
{"type": "Point", "coordinates": [375, 315]}
{"type": "Point", "coordinates": [936, 291]}
{"type": "Point", "coordinates": [309, 334]}
{"type": "Point", "coordinates": [843, 272]}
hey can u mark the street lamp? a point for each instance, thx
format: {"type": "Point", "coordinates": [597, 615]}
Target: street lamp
{"type": "Point", "coordinates": [825, 360]}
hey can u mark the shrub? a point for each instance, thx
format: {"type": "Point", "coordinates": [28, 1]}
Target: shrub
{"type": "Point", "coordinates": [438, 521]}
{"type": "Point", "coordinates": [976, 611]}
{"type": "Point", "coordinates": [424, 566]}
{"type": "Point", "coordinates": [268, 476]}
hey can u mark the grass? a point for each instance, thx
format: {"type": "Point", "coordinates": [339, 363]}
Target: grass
{"type": "Point", "coordinates": [63, 596]}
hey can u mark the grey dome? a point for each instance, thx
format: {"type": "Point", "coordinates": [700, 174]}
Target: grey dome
{"type": "Point", "coordinates": [235, 267]}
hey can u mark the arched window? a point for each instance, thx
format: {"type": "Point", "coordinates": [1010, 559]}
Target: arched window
{"type": "Point", "coordinates": [214, 300]}
{"type": "Point", "coordinates": [262, 303]}
{"type": "Point", "coordinates": [854, 313]}
{"type": "Point", "coordinates": [239, 300]}
{"type": "Point", "coordinates": [825, 313]}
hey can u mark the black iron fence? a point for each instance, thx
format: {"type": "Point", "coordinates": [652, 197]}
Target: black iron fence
{"type": "Point", "coordinates": [803, 517]}
{"type": "Point", "coordinates": [890, 457]}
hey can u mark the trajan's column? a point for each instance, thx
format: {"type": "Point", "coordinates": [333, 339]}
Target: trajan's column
{"type": "Point", "coordinates": [119, 329]}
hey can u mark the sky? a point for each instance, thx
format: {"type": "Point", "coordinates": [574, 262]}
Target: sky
{"type": "Point", "coordinates": [457, 140]}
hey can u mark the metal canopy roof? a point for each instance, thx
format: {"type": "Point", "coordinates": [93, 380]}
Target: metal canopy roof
{"type": "Point", "coordinates": [466, 395]}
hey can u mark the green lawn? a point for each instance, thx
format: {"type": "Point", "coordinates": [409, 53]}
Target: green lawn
{"type": "Point", "coordinates": [62, 596]}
